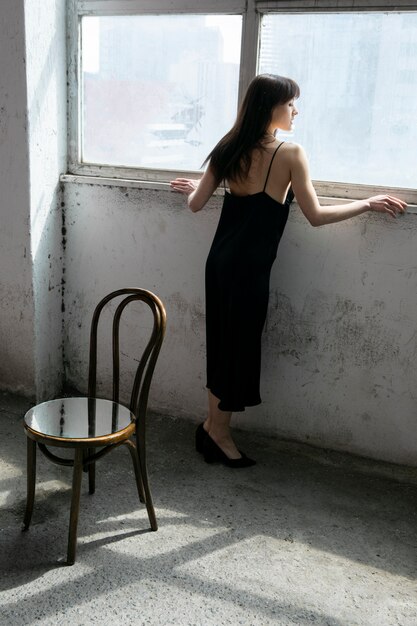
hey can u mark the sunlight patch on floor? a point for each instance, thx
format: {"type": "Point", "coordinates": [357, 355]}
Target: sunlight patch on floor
{"type": "Point", "coordinates": [304, 576]}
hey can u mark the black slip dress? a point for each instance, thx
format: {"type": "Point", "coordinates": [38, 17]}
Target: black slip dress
{"type": "Point", "coordinates": [238, 270]}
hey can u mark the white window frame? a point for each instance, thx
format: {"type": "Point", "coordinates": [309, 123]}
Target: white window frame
{"type": "Point", "coordinates": [252, 12]}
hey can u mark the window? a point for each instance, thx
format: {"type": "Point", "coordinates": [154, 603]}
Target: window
{"type": "Point", "coordinates": [158, 83]}
{"type": "Point", "coordinates": [358, 108]}
{"type": "Point", "coordinates": [157, 90]}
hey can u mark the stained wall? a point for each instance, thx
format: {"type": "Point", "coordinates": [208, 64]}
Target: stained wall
{"type": "Point", "coordinates": [47, 136]}
{"type": "Point", "coordinates": [32, 157]}
{"type": "Point", "coordinates": [16, 290]}
{"type": "Point", "coordinates": [339, 353]}
{"type": "Point", "coordinates": [339, 348]}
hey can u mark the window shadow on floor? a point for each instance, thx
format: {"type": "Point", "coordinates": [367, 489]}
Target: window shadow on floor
{"type": "Point", "coordinates": [259, 539]}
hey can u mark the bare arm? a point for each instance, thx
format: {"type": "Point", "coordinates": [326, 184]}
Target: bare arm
{"type": "Point", "coordinates": [319, 215]}
{"type": "Point", "coordinates": [198, 191]}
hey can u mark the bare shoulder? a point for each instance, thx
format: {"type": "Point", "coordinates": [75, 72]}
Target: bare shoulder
{"type": "Point", "coordinates": [293, 150]}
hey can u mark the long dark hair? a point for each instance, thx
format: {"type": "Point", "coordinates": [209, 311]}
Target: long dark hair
{"type": "Point", "coordinates": [231, 158]}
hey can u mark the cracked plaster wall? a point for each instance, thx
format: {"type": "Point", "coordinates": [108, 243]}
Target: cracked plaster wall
{"type": "Point", "coordinates": [16, 293]}
{"type": "Point", "coordinates": [340, 349]}
{"type": "Point", "coordinates": [32, 156]}
{"type": "Point", "coordinates": [46, 85]}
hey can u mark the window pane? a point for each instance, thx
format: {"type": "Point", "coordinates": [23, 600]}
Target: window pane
{"type": "Point", "coordinates": [158, 91]}
{"type": "Point", "coordinates": [358, 78]}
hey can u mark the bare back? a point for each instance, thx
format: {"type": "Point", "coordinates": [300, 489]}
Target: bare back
{"type": "Point", "coordinates": [276, 183]}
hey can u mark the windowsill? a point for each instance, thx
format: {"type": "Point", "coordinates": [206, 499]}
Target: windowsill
{"type": "Point", "coordinates": [113, 182]}
{"type": "Point", "coordinates": [155, 185]}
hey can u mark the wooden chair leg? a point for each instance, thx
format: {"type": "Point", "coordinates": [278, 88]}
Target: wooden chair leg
{"type": "Point", "coordinates": [31, 479]}
{"type": "Point", "coordinates": [144, 474]}
{"type": "Point", "coordinates": [91, 474]}
{"type": "Point", "coordinates": [136, 466]}
{"type": "Point", "coordinates": [75, 505]}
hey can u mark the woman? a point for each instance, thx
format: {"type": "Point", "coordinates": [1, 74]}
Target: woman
{"type": "Point", "coordinates": [263, 175]}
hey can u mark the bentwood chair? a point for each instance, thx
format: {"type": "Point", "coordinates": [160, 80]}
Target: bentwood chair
{"type": "Point", "coordinates": [86, 424]}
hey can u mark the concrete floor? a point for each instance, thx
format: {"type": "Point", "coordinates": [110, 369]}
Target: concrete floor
{"type": "Point", "coordinates": [304, 537]}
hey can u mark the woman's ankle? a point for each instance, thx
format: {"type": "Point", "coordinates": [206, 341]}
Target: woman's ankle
{"type": "Point", "coordinates": [225, 442]}
{"type": "Point", "coordinates": [220, 435]}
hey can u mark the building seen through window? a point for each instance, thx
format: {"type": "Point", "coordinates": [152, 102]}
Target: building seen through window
{"type": "Point", "coordinates": [358, 78]}
{"type": "Point", "coordinates": [158, 90]}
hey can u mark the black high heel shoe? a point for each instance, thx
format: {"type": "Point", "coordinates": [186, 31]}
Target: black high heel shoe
{"type": "Point", "coordinates": [213, 453]}
{"type": "Point", "coordinates": [200, 435]}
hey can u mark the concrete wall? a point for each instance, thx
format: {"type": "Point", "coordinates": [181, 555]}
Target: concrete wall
{"type": "Point", "coordinates": [16, 295]}
{"type": "Point", "coordinates": [46, 86]}
{"type": "Point", "coordinates": [340, 342]}
{"type": "Point", "coordinates": [32, 156]}
{"type": "Point", "coordinates": [340, 346]}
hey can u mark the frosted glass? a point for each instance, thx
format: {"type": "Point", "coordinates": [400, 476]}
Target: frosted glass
{"type": "Point", "coordinates": [358, 78]}
{"type": "Point", "coordinates": [158, 91]}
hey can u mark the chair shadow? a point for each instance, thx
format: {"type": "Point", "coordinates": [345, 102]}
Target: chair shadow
{"type": "Point", "coordinates": [286, 497]}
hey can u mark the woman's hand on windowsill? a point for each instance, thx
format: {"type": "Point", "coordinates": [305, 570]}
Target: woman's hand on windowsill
{"type": "Point", "coordinates": [184, 185]}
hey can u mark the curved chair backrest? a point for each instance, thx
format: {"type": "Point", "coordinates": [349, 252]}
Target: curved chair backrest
{"type": "Point", "coordinates": [143, 377]}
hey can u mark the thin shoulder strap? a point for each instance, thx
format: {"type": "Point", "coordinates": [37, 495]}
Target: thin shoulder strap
{"type": "Point", "coordinates": [270, 165]}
